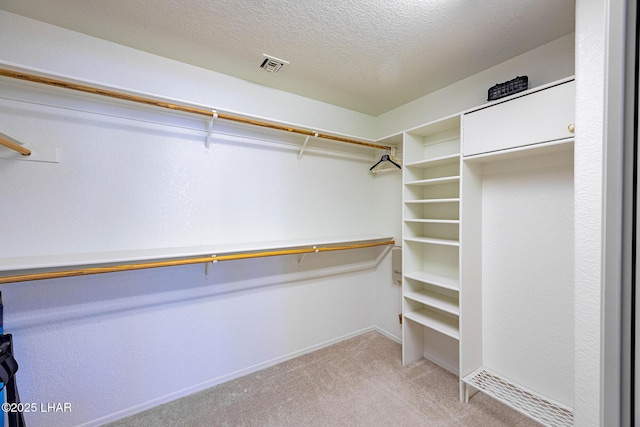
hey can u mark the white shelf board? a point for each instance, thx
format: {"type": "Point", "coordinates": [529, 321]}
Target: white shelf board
{"type": "Point", "coordinates": [434, 181]}
{"type": "Point", "coordinates": [436, 161]}
{"type": "Point", "coordinates": [519, 94]}
{"type": "Point", "coordinates": [434, 221]}
{"type": "Point", "coordinates": [434, 279]}
{"type": "Point", "coordinates": [437, 126]}
{"type": "Point", "coordinates": [58, 261]}
{"type": "Point", "coordinates": [551, 147]}
{"type": "Point", "coordinates": [433, 241]}
{"type": "Point", "coordinates": [424, 201]}
{"type": "Point", "coordinates": [436, 301]}
{"type": "Point", "coordinates": [436, 321]}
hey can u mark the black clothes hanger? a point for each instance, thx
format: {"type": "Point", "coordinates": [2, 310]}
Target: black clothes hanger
{"type": "Point", "coordinates": [385, 158]}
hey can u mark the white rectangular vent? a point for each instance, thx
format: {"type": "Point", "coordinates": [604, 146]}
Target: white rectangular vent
{"type": "Point", "coordinates": [272, 64]}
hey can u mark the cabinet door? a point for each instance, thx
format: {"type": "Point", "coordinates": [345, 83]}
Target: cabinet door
{"type": "Point", "coordinates": [534, 118]}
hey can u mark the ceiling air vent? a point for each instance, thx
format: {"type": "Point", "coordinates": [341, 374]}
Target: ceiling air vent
{"type": "Point", "coordinates": [272, 64]}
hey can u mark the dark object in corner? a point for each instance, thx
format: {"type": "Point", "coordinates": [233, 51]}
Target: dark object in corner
{"type": "Point", "coordinates": [508, 88]}
{"type": "Point", "coordinates": [8, 369]}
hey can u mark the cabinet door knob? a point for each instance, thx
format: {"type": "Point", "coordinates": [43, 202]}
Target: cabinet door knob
{"type": "Point", "coordinates": [571, 128]}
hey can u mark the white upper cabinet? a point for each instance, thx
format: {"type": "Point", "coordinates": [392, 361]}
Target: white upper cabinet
{"type": "Point", "coordinates": [536, 117]}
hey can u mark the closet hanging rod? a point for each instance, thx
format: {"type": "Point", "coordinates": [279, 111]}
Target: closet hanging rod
{"type": "Point", "coordinates": [15, 147]}
{"type": "Point", "coordinates": [177, 107]}
{"type": "Point", "coordinates": [186, 261]}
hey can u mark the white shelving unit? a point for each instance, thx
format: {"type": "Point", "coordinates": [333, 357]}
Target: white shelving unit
{"type": "Point", "coordinates": [431, 223]}
{"type": "Point", "coordinates": [488, 250]}
{"type": "Point", "coordinates": [516, 299]}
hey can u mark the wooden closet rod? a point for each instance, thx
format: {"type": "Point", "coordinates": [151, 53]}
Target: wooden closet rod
{"type": "Point", "coordinates": [188, 261]}
{"type": "Point", "coordinates": [15, 147]}
{"type": "Point", "coordinates": [176, 107]}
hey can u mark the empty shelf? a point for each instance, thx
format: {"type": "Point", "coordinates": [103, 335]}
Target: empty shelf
{"type": "Point", "coordinates": [433, 241]}
{"type": "Point", "coordinates": [42, 267]}
{"type": "Point", "coordinates": [434, 221]}
{"type": "Point", "coordinates": [434, 279]}
{"type": "Point", "coordinates": [450, 200]}
{"type": "Point", "coordinates": [436, 321]}
{"type": "Point", "coordinates": [436, 161]}
{"type": "Point", "coordinates": [435, 300]}
{"type": "Point", "coordinates": [434, 181]}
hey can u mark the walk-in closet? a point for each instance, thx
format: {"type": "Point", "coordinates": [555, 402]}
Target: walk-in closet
{"type": "Point", "coordinates": [443, 249]}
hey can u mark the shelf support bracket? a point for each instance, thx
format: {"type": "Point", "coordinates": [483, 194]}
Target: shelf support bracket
{"type": "Point", "coordinates": [306, 141]}
{"type": "Point", "coordinates": [214, 116]}
{"type": "Point", "coordinates": [302, 257]}
{"type": "Point", "coordinates": [206, 266]}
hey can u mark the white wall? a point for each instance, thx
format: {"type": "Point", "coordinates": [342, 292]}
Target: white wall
{"type": "Point", "coordinates": [146, 181]}
{"type": "Point", "coordinates": [115, 344]}
{"type": "Point", "coordinates": [590, 156]}
{"type": "Point", "coordinates": [588, 205]}
{"type": "Point", "coordinates": [134, 178]}
{"type": "Point", "coordinates": [42, 46]}
{"type": "Point", "coordinates": [527, 274]}
{"type": "Point", "coordinates": [545, 64]}
{"type": "Point", "coordinates": [131, 178]}
{"type": "Point", "coordinates": [388, 207]}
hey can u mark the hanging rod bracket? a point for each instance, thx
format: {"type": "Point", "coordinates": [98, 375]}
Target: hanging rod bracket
{"type": "Point", "coordinates": [306, 141]}
{"type": "Point", "coordinates": [302, 257]}
{"type": "Point", "coordinates": [214, 117]}
{"type": "Point", "coordinates": [207, 264]}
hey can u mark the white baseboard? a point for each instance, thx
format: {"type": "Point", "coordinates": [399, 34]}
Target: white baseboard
{"type": "Point", "coordinates": [443, 364]}
{"type": "Point", "coordinates": [388, 334]}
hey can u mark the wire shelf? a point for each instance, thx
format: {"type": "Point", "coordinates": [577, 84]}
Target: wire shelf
{"type": "Point", "coordinates": [535, 407]}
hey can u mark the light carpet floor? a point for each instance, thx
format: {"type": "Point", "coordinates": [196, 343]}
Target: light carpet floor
{"type": "Point", "coordinates": [357, 382]}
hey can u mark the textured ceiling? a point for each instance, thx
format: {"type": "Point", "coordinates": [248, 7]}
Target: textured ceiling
{"type": "Point", "coordinates": [365, 55]}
